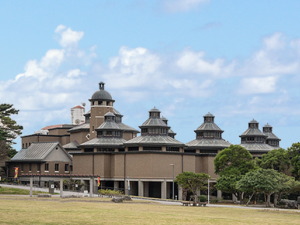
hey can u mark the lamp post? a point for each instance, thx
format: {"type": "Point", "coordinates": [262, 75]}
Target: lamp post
{"type": "Point", "coordinates": [173, 181]}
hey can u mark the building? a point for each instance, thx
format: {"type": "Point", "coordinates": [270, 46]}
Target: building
{"type": "Point", "coordinates": [145, 165]}
{"type": "Point", "coordinates": [45, 161]}
{"type": "Point", "coordinates": [257, 142]}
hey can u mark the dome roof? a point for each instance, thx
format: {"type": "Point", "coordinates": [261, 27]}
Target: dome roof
{"type": "Point", "coordinates": [101, 94]}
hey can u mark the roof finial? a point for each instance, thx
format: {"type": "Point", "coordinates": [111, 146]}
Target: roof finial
{"type": "Point", "coordinates": [101, 85]}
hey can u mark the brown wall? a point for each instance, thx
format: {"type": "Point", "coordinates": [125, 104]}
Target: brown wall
{"type": "Point", "coordinates": [97, 117]}
{"type": "Point", "coordinates": [24, 168]}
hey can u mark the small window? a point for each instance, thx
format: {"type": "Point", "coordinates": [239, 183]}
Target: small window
{"type": "Point", "coordinates": [30, 167]}
{"type": "Point", "coordinates": [56, 167]}
{"type": "Point", "coordinates": [47, 167]}
{"type": "Point", "coordinates": [66, 167]}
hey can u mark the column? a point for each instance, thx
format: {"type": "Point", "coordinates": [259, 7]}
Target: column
{"type": "Point", "coordinates": [91, 187]}
{"type": "Point", "coordinates": [180, 193]}
{"type": "Point", "coordinates": [116, 185]}
{"type": "Point", "coordinates": [164, 189]}
{"type": "Point", "coordinates": [61, 187]}
{"type": "Point", "coordinates": [141, 188]}
{"type": "Point", "coordinates": [219, 194]}
{"type": "Point", "coordinates": [31, 185]}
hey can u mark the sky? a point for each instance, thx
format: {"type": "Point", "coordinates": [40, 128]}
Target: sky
{"type": "Point", "coordinates": [239, 60]}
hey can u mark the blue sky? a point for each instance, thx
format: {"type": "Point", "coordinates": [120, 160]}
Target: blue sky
{"type": "Point", "coordinates": [239, 60]}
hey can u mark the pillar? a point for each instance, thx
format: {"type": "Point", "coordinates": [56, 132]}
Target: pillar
{"type": "Point", "coordinates": [164, 189]}
{"type": "Point", "coordinates": [91, 187]}
{"type": "Point", "coordinates": [180, 193]}
{"type": "Point", "coordinates": [61, 187]}
{"type": "Point", "coordinates": [31, 185]}
{"type": "Point", "coordinates": [116, 185]}
{"type": "Point", "coordinates": [141, 188]}
{"type": "Point", "coordinates": [219, 194]}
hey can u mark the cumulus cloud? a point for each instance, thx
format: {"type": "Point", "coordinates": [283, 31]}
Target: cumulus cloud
{"type": "Point", "coordinates": [132, 68]}
{"type": "Point", "coordinates": [258, 85]}
{"type": "Point", "coordinates": [195, 62]}
{"type": "Point", "coordinates": [277, 56]}
{"type": "Point", "coordinates": [67, 36]}
{"type": "Point", "coordinates": [182, 5]}
{"type": "Point", "coordinates": [51, 82]}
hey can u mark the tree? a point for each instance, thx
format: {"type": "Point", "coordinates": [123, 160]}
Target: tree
{"type": "Point", "coordinates": [277, 159]}
{"type": "Point", "coordinates": [227, 183]}
{"type": "Point", "coordinates": [9, 129]}
{"type": "Point", "coordinates": [235, 159]}
{"type": "Point", "coordinates": [231, 164]}
{"type": "Point", "coordinates": [193, 182]}
{"type": "Point", "coordinates": [266, 181]}
{"type": "Point", "coordinates": [294, 155]}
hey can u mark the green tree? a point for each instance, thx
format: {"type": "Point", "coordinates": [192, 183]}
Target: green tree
{"type": "Point", "coordinates": [227, 183]}
{"type": "Point", "coordinates": [294, 155]}
{"type": "Point", "coordinates": [234, 159]}
{"type": "Point", "coordinates": [9, 130]}
{"type": "Point", "coordinates": [193, 182]}
{"type": "Point", "coordinates": [231, 164]}
{"type": "Point", "coordinates": [266, 181]}
{"type": "Point", "coordinates": [277, 159]}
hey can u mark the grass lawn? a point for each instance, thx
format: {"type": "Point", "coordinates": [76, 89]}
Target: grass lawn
{"type": "Point", "coordinates": [16, 191]}
{"type": "Point", "coordinates": [26, 210]}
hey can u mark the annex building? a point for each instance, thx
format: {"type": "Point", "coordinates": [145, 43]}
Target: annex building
{"type": "Point", "coordinates": [144, 162]}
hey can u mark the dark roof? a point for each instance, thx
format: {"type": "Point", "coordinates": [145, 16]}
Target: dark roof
{"type": "Point", "coordinates": [211, 143]}
{"type": "Point", "coordinates": [125, 128]}
{"type": "Point", "coordinates": [104, 142]}
{"type": "Point", "coordinates": [253, 132]}
{"type": "Point", "coordinates": [71, 145]}
{"type": "Point", "coordinates": [271, 136]}
{"type": "Point", "coordinates": [102, 95]}
{"type": "Point", "coordinates": [36, 151]}
{"type": "Point", "coordinates": [154, 140]}
{"type": "Point", "coordinates": [208, 126]}
{"type": "Point", "coordinates": [258, 147]}
{"type": "Point", "coordinates": [154, 122]}
{"type": "Point", "coordinates": [84, 126]}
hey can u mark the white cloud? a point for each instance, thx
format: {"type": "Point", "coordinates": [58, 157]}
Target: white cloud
{"type": "Point", "coordinates": [132, 68]}
{"type": "Point", "coordinates": [258, 85]}
{"type": "Point", "coordinates": [276, 57]}
{"type": "Point", "coordinates": [195, 62]}
{"type": "Point", "coordinates": [183, 5]}
{"type": "Point", "coordinates": [67, 36]}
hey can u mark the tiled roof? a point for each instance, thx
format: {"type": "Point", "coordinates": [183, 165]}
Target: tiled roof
{"type": "Point", "coordinates": [71, 145]}
{"type": "Point", "coordinates": [258, 147]}
{"type": "Point", "coordinates": [271, 136]}
{"type": "Point", "coordinates": [35, 152]}
{"type": "Point", "coordinates": [154, 140]}
{"type": "Point", "coordinates": [209, 126]}
{"type": "Point", "coordinates": [84, 126]}
{"type": "Point", "coordinates": [109, 125]}
{"type": "Point", "coordinates": [220, 143]}
{"type": "Point", "coordinates": [155, 122]}
{"type": "Point", "coordinates": [104, 141]}
{"type": "Point", "coordinates": [127, 128]}
{"type": "Point", "coordinates": [253, 132]}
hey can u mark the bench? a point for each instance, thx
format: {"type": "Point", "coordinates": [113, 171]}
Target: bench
{"type": "Point", "coordinates": [190, 203]}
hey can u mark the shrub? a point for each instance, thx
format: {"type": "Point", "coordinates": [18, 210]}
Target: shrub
{"type": "Point", "coordinates": [109, 192]}
{"type": "Point", "coordinates": [202, 198]}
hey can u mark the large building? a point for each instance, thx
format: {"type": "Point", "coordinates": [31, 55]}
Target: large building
{"type": "Point", "coordinates": [101, 145]}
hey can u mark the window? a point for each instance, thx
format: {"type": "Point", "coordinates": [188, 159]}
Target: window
{"type": "Point", "coordinates": [56, 167]}
{"type": "Point", "coordinates": [66, 167]}
{"type": "Point", "coordinates": [22, 167]}
{"type": "Point", "coordinates": [38, 167]}
{"type": "Point", "coordinates": [47, 167]}
{"type": "Point", "coordinates": [30, 167]}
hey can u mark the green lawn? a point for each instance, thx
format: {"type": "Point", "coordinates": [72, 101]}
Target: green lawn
{"type": "Point", "coordinates": [16, 191]}
{"type": "Point", "coordinates": [26, 210]}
